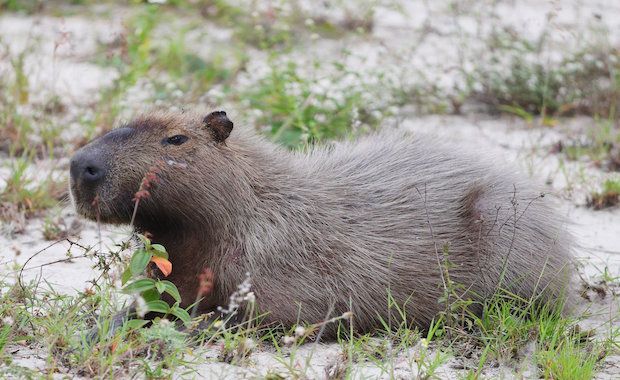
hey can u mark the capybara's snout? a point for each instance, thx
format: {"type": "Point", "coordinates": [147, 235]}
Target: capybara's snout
{"type": "Point", "coordinates": [88, 169]}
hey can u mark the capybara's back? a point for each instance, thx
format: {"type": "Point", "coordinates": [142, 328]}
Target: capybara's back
{"type": "Point", "coordinates": [391, 216]}
{"type": "Point", "coordinates": [420, 219]}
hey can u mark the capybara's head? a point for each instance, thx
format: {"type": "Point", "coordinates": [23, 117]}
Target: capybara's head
{"type": "Point", "coordinates": [157, 160]}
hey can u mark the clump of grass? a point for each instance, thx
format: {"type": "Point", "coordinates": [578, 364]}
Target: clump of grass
{"type": "Point", "coordinates": [180, 75]}
{"type": "Point", "coordinates": [30, 195]}
{"type": "Point", "coordinates": [599, 144]}
{"type": "Point", "coordinates": [193, 74]}
{"type": "Point", "coordinates": [502, 328]}
{"type": "Point", "coordinates": [507, 325]}
{"type": "Point", "coordinates": [131, 57]}
{"type": "Point", "coordinates": [565, 357]}
{"type": "Point", "coordinates": [609, 195]}
{"type": "Point", "coordinates": [15, 130]}
{"type": "Point", "coordinates": [26, 126]}
{"type": "Point", "coordinates": [58, 326]}
{"type": "Point", "coordinates": [297, 111]}
{"type": "Point", "coordinates": [281, 24]}
{"type": "Point", "coordinates": [54, 228]}
{"type": "Point", "coordinates": [514, 80]}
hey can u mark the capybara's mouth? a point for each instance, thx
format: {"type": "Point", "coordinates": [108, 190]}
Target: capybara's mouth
{"type": "Point", "coordinates": [91, 205]}
{"type": "Point", "coordinates": [87, 205]}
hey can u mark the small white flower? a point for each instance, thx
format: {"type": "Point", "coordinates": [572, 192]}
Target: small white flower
{"type": "Point", "coordinates": [320, 118]}
{"type": "Point", "coordinates": [249, 344]}
{"type": "Point", "coordinates": [141, 308]}
{"type": "Point", "coordinates": [288, 340]}
{"type": "Point", "coordinates": [7, 321]}
{"type": "Point", "coordinates": [164, 322]}
{"type": "Point", "coordinates": [300, 331]}
{"type": "Point", "coordinates": [424, 342]}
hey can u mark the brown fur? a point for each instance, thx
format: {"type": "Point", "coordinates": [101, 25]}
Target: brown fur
{"type": "Point", "coordinates": [339, 227]}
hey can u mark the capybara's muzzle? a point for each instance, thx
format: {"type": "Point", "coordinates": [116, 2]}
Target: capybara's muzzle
{"type": "Point", "coordinates": [88, 170]}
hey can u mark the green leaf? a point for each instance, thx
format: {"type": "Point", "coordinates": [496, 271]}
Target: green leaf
{"type": "Point", "coordinates": [133, 324]}
{"type": "Point", "coordinates": [171, 289]}
{"type": "Point", "coordinates": [181, 314]}
{"type": "Point", "coordinates": [158, 306]}
{"type": "Point", "coordinates": [126, 276]}
{"type": "Point", "coordinates": [4, 336]}
{"type": "Point", "coordinates": [159, 250]}
{"type": "Point", "coordinates": [144, 240]}
{"type": "Point", "coordinates": [160, 287]}
{"type": "Point", "coordinates": [139, 286]}
{"type": "Point", "coordinates": [150, 295]}
{"type": "Point", "coordinates": [139, 261]}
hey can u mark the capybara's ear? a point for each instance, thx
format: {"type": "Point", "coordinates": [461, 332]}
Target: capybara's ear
{"type": "Point", "coordinates": [219, 124]}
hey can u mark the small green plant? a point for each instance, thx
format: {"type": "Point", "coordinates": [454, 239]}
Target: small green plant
{"type": "Point", "coordinates": [148, 291]}
{"type": "Point", "coordinates": [282, 24]}
{"type": "Point", "coordinates": [30, 195]}
{"type": "Point", "coordinates": [564, 357]}
{"type": "Point", "coordinates": [601, 137]}
{"type": "Point", "coordinates": [609, 195]}
{"type": "Point", "coordinates": [296, 111]}
{"type": "Point", "coordinates": [53, 228]}
{"type": "Point", "coordinates": [514, 79]}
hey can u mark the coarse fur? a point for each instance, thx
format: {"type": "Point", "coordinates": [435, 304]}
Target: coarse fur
{"type": "Point", "coordinates": [338, 227]}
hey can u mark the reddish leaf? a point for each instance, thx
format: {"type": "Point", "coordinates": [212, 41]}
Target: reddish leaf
{"type": "Point", "coordinates": [164, 265]}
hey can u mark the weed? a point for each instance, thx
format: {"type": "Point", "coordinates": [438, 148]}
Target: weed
{"type": "Point", "coordinates": [297, 111]}
{"type": "Point", "coordinates": [584, 82]}
{"type": "Point", "coordinates": [567, 359]}
{"type": "Point", "coordinates": [148, 291]}
{"type": "Point", "coordinates": [30, 194]}
{"type": "Point", "coordinates": [600, 143]}
{"type": "Point", "coordinates": [281, 24]}
{"type": "Point", "coordinates": [609, 196]}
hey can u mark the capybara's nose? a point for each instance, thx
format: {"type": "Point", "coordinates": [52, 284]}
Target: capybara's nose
{"type": "Point", "coordinates": [86, 170]}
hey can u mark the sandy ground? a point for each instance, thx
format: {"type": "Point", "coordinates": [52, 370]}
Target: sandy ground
{"type": "Point", "coordinates": [69, 41]}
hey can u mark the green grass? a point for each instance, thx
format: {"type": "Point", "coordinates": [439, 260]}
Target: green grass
{"type": "Point", "coordinates": [501, 333]}
{"type": "Point", "coordinates": [561, 352]}
{"type": "Point", "coordinates": [582, 82]}
{"type": "Point", "coordinates": [608, 196]}
{"type": "Point", "coordinates": [600, 138]}
{"type": "Point", "coordinates": [296, 111]}
{"type": "Point", "coordinates": [30, 195]}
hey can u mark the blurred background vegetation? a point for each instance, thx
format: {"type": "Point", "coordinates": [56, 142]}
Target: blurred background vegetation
{"type": "Point", "coordinates": [297, 71]}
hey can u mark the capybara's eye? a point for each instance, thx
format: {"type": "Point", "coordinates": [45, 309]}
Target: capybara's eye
{"type": "Point", "coordinates": [175, 140]}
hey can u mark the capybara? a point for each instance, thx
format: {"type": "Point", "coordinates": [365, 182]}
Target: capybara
{"type": "Point", "coordinates": [343, 227]}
